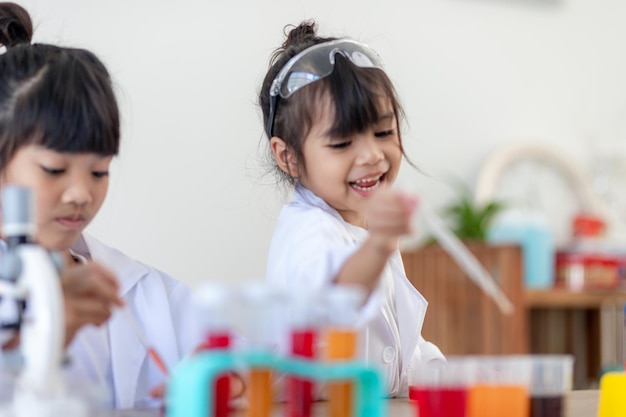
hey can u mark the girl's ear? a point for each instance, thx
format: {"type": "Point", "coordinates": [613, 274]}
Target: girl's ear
{"type": "Point", "coordinates": [284, 157]}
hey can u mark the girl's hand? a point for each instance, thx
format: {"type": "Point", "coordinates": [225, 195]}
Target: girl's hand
{"type": "Point", "coordinates": [388, 217]}
{"type": "Point", "coordinates": [12, 343]}
{"type": "Point", "coordinates": [90, 293]}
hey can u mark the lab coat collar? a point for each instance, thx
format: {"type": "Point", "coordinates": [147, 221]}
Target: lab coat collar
{"type": "Point", "coordinates": [127, 271]}
{"type": "Point", "coordinates": [303, 195]}
{"type": "Point", "coordinates": [123, 340]}
{"type": "Point", "coordinates": [308, 198]}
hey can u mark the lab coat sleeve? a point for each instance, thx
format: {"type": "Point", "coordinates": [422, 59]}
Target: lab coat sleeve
{"type": "Point", "coordinates": [430, 352]}
{"type": "Point", "coordinates": [317, 254]}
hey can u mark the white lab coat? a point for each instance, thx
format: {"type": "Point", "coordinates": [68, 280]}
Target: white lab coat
{"type": "Point", "coordinates": [310, 244]}
{"type": "Point", "coordinates": [162, 308]}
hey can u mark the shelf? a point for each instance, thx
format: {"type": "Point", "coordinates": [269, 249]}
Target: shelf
{"type": "Point", "coordinates": [587, 324]}
{"type": "Point", "coordinates": [556, 298]}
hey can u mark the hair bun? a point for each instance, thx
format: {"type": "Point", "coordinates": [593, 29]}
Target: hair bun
{"type": "Point", "coordinates": [16, 27]}
{"type": "Point", "coordinates": [304, 33]}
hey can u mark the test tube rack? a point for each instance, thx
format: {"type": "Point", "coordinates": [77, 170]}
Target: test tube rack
{"type": "Point", "coordinates": [189, 392]}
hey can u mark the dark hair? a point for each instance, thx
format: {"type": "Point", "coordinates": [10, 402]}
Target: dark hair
{"type": "Point", "coordinates": [57, 97]}
{"type": "Point", "coordinates": [354, 92]}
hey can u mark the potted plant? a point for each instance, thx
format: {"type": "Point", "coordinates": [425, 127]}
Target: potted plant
{"type": "Point", "coordinates": [467, 220]}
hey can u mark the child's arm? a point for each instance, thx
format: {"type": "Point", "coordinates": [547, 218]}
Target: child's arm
{"type": "Point", "coordinates": [388, 217]}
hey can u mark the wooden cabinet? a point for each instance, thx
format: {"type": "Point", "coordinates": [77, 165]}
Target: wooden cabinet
{"type": "Point", "coordinates": [460, 319]}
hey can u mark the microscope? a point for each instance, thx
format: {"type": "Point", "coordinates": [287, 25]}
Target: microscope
{"type": "Point", "coordinates": [29, 277]}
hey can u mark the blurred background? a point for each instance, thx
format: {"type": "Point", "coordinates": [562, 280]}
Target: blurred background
{"type": "Point", "coordinates": [190, 194]}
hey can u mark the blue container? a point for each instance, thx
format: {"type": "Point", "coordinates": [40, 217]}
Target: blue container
{"type": "Point", "coordinates": [533, 235]}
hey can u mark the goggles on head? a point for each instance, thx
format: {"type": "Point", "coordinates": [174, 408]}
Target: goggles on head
{"type": "Point", "coordinates": [313, 64]}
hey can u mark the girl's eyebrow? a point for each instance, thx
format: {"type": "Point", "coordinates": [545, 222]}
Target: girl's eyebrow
{"type": "Point", "coordinates": [386, 116]}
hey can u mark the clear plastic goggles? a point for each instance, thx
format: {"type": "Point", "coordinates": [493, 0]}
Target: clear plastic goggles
{"type": "Point", "coordinates": [313, 64]}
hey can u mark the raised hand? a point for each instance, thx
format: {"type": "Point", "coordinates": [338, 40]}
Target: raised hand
{"type": "Point", "coordinates": [90, 293]}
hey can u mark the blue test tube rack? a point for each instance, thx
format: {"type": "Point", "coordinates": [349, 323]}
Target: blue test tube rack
{"type": "Point", "coordinates": [189, 392]}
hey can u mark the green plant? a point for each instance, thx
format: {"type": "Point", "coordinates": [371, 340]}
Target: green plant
{"type": "Point", "coordinates": [469, 221]}
{"type": "Point", "coordinates": [466, 219]}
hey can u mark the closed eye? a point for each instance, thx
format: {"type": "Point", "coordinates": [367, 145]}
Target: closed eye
{"type": "Point", "coordinates": [340, 145]}
{"type": "Point", "coordinates": [100, 174]}
{"type": "Point", "coordinates": [384, 133]}
{"type": "Point", "coordinates": [52, 171]}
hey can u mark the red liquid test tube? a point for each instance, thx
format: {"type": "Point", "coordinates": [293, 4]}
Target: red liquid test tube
{"type": "Point", "coordinates": [222, 384]}
{"type": "Point", "coordinates": [300, 389]}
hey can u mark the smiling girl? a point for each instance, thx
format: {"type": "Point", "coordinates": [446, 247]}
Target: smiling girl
{"type": "Point", "coordinates": [332, 119]}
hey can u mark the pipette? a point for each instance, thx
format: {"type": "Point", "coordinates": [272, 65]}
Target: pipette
{"type": "Point", "coordinates": [152, 353]}
{"type": "Point", "coordinates": [465, 259]}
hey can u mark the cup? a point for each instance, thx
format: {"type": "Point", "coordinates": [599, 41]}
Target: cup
{"type": "Point", "coordinates": [500, 387]}
{"type": "Point", "coordinates": [441, 390]}
{"type": "Point", "coordinates": [551, 380]}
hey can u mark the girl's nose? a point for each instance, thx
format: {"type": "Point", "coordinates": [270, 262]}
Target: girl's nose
{"type": "Point", "coordinates": [78, 193]}
{"type": "Point", "coordinates": [370, 151]}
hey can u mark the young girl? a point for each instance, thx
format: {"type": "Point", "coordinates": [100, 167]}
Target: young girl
{"type": "Point", "coordinates": [59, 130]}
{"type": "Point", "coordinates": [332, 118]}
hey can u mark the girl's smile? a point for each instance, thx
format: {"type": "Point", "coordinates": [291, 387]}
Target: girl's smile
{"type": "Point", "coordinates": [366, 186]}
{"type": "Point", "coordinates": [346, 171]}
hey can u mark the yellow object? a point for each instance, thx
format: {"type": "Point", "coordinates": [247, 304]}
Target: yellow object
{"type": "Point", "coordinates": [612, 395]}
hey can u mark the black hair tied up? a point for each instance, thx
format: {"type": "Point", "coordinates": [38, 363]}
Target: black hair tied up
{"type": "Point", "coordinates": [57, 97]}
{"type": "Point", "coordinates": [16, 26]}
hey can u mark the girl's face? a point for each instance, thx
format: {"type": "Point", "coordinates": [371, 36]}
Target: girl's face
{"type": "Point", "coordinates": [345, 171]}
{"type": "Point", "coordinates": [69, 190]}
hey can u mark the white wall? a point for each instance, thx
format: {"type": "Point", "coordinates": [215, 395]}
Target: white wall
{"type": "Point", "coordinates": [188, 193]}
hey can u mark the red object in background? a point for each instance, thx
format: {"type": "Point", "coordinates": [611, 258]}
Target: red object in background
{"type": "Point", "coordinates": [588, 225]}
{"type": "Point", "coordinates": [589, 262]}
{"type": "Point", "coordinates": [301, 390]}
{"type": "Point", "coordinates": [222, 384]}
{"type": "Point", "coordinates": [580, 270]}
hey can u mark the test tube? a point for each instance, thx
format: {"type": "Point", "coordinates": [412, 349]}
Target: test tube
{"type": "Point", "coordinates": [259, 307]}
{"type": "Point", "coordinates": [213, 303]}
{"type": "Point", "coordinates": [303, 340]}
{"type": "Point", "coordinates": [342, 303]}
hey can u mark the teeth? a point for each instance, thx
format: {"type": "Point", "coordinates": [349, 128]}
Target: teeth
{"type": "Point", "coordinates": [373, 187]}
{"type": "Point", "coordinates": [365, 180]}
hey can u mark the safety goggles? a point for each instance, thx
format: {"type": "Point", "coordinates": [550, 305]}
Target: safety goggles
{"type": "Point", "coordinates": [313, 64]}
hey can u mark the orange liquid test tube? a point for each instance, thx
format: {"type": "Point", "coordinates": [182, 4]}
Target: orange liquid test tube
{"type": "Point", "coordinates": [259, 392]}
{"type": "Point", "coordinates": [259, 309]}
{"type": "Point", "coordinates": [341, 336]}
{"type": "Point", "coordinates": [341, 346]}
